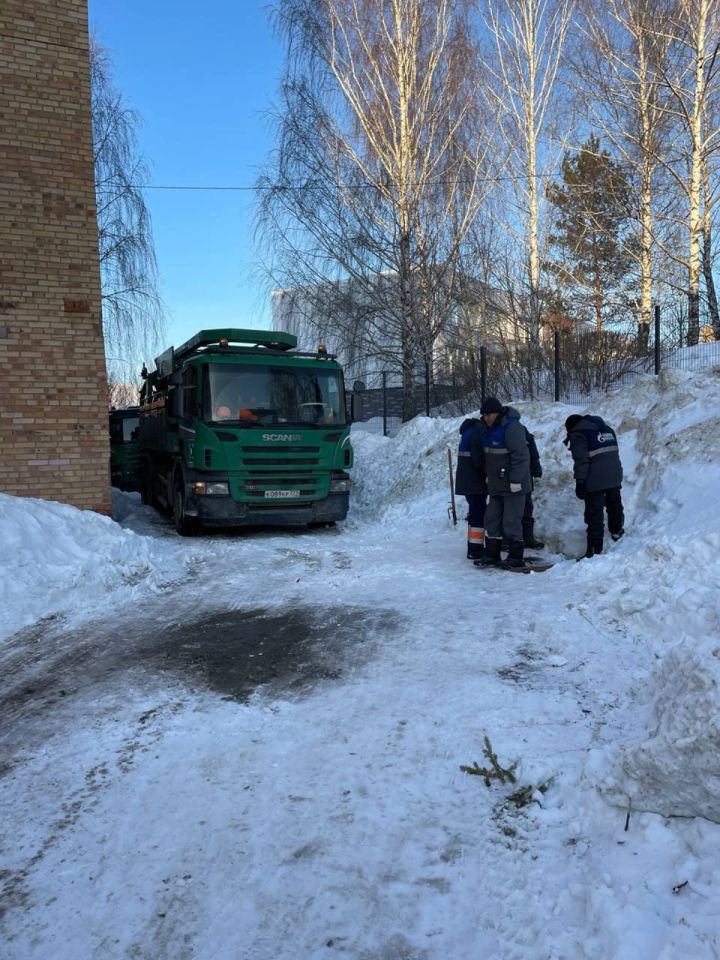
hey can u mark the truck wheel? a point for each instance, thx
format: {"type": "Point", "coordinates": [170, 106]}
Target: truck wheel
{"type": "Point", "coordinates": [185, 526]}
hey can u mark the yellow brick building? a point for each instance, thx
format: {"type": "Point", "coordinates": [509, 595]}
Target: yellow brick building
{"type": "Point", "coordinates": [53, 394]}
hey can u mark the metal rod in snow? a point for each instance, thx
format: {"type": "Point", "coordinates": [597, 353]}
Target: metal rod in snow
{"type": "Point", "coordinates": [452, 510]}
{"type": "Point", "coordinates": [483, 373]}
{"type": "Point", "coordinates": [556, 339]}
{"type": "Point", "coordinates": [384, 392]}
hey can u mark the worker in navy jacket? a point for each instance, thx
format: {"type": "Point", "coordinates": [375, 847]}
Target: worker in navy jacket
{"type": "Point", "coordinates": [528, 520]}
{"type": "Point", "coordinates": [470, 483]}
{"type": "Point", "coordinates": [598, 477]}
{"type": "Point", "coordinates": [507, 470]}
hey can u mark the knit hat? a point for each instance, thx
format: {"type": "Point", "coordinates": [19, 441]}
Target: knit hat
{"type": "Point", "coordinates": [572, 421]}
{"type": "Point", "coordinates": [491, 405]}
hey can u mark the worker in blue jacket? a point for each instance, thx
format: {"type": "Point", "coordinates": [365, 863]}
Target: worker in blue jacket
{"type": "Point", "coordinates": [470, 483]}
{"type": "Point", "coordinates": [507, 471]}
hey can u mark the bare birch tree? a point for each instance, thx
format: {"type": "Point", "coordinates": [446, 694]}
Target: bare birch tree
{"type": "Point", "coordinates": [621, 78]}
{"type": "Point", "coordinates": [378, 174]}
{"type": "Point", "coordinates": [709, 201]}
{"type": "Point", "coordinates": [693, 36]}
{"type": "Point", "coordinates": [131, 309]}
{"type": "Point", "coordinates": [528, 38]}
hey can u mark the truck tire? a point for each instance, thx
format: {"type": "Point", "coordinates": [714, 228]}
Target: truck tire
{"type": "Point", "coordinates": [185, 526]}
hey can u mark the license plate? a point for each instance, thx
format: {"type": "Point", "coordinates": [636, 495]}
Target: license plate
{"type": "Point", "coordinates": [281, 494]}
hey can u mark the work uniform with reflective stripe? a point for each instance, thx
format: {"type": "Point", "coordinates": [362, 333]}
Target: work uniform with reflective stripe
{"type": "Point", "coordinates": [470, 483]}
{"type": "Point", "coordinates": [596, 458]}
{"type": "Point", "coordinates": [507, 460]}
{"type": "Point", "coordinates": [507, 457]}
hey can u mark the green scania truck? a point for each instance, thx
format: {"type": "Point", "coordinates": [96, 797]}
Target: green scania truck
{"type": "Point", "coordinates": [239, 428]}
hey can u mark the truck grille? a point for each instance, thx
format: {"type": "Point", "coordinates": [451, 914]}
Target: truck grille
{"type": "Point", "coordinates": [291, 467]}
{"type": "Point", "coordinates": [288, 449]}
{"type": "Point", "coordinates": [281, 456]}
{"type": "Point", "coordinates": [277, 461]}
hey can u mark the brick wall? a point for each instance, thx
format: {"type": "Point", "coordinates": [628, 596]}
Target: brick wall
{"type": "Point", "coordinates": [53, 394]}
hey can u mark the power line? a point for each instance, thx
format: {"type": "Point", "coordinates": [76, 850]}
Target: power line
{"type": "Point", "coordinates": [159, 186]}
{"type": "Point", "coordinates": [347, 186]}
{"type": "Point", "coordinates": [519, 178]}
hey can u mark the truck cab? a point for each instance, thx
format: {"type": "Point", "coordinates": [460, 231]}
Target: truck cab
{"type": "Point", "coordinates": [239, 428]}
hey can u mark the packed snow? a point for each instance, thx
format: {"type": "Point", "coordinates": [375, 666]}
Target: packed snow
{"type": "Point", "coordinates": [154, 811]}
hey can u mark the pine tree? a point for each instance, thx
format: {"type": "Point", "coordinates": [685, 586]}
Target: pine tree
{"type": "Point", "coordinates": [592, 233]}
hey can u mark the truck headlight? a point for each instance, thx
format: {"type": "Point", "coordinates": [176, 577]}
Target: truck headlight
{"type": "Point", "coordinates": [218, 489]}
{"type": "Point", "coordinates": [340, 484]}
{"type": "Point", "coordinates": [211, 489]}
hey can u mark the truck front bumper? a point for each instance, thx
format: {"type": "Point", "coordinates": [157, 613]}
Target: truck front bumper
{"type": "Point", "coordinates": [219, 511]}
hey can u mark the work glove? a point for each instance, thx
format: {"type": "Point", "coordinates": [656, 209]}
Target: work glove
{"type": "Point", "coordinates": [580, 489]}
{"type": "Point", "coordinates": [515, 488]}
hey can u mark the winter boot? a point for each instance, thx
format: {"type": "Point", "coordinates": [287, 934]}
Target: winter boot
{"type": "Point", "coordinates": [515, 554]}
{"type": "Point", "coordinates": [475, 543]}
{"type": "Point", "coordinates": [616, 536]}
{"type": "Point", "coordinates": [593, 550]}
{"type": "Point", "coordinates": [529, 535]}
{"type": "Point", "coordinates": [491, 557]}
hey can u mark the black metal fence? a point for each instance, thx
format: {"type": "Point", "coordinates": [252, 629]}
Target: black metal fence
{"type": "Point", "coordinates": [569, 367]}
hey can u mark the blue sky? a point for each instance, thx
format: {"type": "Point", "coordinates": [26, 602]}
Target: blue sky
{"type": "Point", "coordinates": [203, 76]}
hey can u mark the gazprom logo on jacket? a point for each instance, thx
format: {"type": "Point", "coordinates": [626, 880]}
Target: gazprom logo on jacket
{"type": "Point", "coordinates": [606, 438]}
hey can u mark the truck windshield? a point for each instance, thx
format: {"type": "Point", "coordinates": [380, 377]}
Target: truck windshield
{"type": "Point", "coordinates": [263, 395]}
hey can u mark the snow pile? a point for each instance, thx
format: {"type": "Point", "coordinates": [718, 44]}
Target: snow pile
{"type": "Point", "coordinates": [401, 474]}
{"type": "Point", "coordinates": [57, 558]}
{"type": "Point", "coordinates": [663, 578]}
{"type": "Point", "coordinates": [674, 767]}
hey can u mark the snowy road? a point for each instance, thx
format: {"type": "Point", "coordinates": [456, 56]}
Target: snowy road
{"type": "Point", "coordinates": [327, 814]}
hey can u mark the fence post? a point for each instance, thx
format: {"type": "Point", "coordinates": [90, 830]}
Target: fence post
{"type": "Point", "coordinates": [384, 398]}
{"type": "Point", "coordinates": [427, 387]}
{"type": "Point", "coordinates": [483, 374]}
{"type": "Point", "coordinates": [556, 347]}
{"type": "Point", "coordinates": [657, 339]}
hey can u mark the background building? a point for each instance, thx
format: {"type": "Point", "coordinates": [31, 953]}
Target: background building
{"type": "Point", "coordinates": [361, 325]}
{"type": "Point", "coordinates": [53, 393]}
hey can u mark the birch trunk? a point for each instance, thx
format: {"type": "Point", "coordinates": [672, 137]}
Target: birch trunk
{"type": "Point", "coordinates": [695, 186]}
{"type": "Point", "coordinates": [707, 255]}
{"type": "Point", "coordinates": [622, 88]}
{"type": "Point", "coordinates": [528, 37]}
